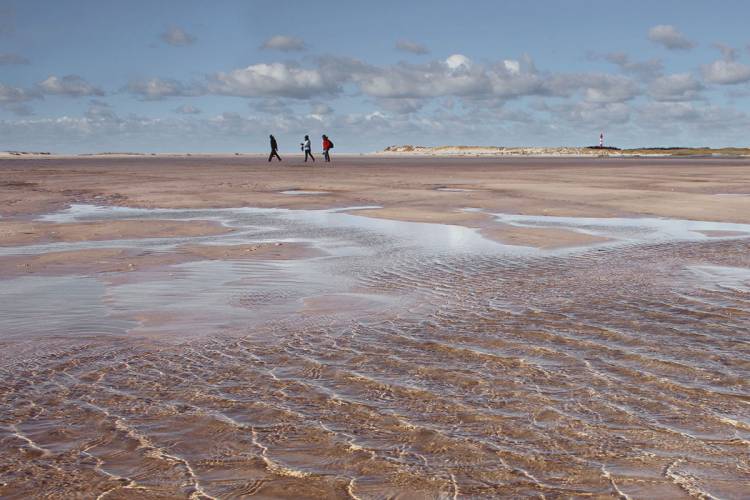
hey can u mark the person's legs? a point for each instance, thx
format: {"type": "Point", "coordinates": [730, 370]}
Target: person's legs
{"type": "Point", "coordinates": [311, 155]}
{"type": "Point", "coordinates": [276, 154]}
{"type": "Point", "coordinates": [270, 157]}
{"type": "Point", "coordinates": [326, 156]}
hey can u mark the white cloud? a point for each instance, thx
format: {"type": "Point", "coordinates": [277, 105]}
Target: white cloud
{"type": "Point", "coordinates": [69, 85]}
{"type": "Point", "coordinates": [14, 99]}
{"type": "Point", "coordinates": [727, 52]}
{"type": "Point", "coordinates": [604, 88]}
{"type": "Point", "coordinates": [155, 89]}
{"type": "Point", "coordinates": [321, 109]}
{"type": "Point", "coordinates": [726, 72]}
{"type": "Point", "coordinates": [177, 37]}
{"type": "Point", "coordinates": [587, 114]}
{"type": "Point", "coordinates": [401, 105]}
{"type": "Point", "coordinates": [655, 113]}
{"type": "Point", "coordinates": [644, 69]}
{"type": "Point", "coordinates": [455, 76]}
{"type": "Point", "coordinates": [513, 67]}
{"type": "Point", "coordinates": [442, 99]}
{"type": "Point", "coordinates": [411, 82]}
{"type": "Point", "coordinates": [706, 120]}
{"type": "Point", "coordinates": [459, 76]}
{"type": "Point", "coordinates": [271, 105]}
{"type": "Point", "coordinates": [458, 61]}
{"type": "Point", "coordinates": [567, 122]}
{"type": "Point", "coordinates": [675, 87]}
{"type": "Point", "coordinates": [275, 79]}
{"type": "Point", "coordinates": [10, 94]}
{"type": "Point", "coordinates": [100, 110]}
{"type": "Point", "coordinates": [513, 78]}
{"type": "Point", "coordinates": [401, 87]}
{"type": "Point", "coordinates": [669, 37]}
{"type": "Point", "coordinates": [412, 47]}
{"type": "Point", "coordinates": [284, 43]}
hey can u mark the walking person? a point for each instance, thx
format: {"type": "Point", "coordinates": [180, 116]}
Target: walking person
{"type": "Point", "coordinates": [274, 149]}
{"type": "Point", "coordinates": [327, 145]}
{"type": "Point", "coordinates": [307, 148]}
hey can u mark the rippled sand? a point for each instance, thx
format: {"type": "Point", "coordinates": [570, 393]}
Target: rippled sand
{"type": "Point", "coordinates": [398, 360]}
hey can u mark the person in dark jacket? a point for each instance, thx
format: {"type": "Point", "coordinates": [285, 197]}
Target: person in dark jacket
{"type": "Point", "coordinates": [327, 145]}
{"type": "Point", "coordinates": [274, 149]}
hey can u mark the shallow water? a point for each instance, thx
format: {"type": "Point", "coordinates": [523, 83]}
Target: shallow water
{"type": "Point", "coordinates": [412, 361]}
{"type": "Point", "coordinates": [302, 192]}
{"type": "Point", "coordinates": [455, 190]}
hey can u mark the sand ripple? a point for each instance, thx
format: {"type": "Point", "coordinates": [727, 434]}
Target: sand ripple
{"type": "Point", "coordinates": [618, 370]}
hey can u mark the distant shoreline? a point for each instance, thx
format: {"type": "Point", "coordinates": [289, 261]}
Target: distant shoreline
{"type": "Point", "coordinates": [436, 151]}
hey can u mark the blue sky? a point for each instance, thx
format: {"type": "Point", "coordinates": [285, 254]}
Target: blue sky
{"type": "Point", "coordinates": [84, 76]}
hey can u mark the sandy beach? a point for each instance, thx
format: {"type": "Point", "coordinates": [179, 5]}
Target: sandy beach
{"type": "Point", "coordinates": [379, 327]}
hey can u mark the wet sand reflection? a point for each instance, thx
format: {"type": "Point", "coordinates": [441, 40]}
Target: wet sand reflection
{"type": "Point", "coordinates": [406, 360]}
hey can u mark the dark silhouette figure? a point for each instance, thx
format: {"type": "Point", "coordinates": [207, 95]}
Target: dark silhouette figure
{"type": "Point", "coordinates": [274, 149]}
{"type": "Point", "coordinates": [327, 145]}
{"type": "Point", "coordinates": [307, 148]}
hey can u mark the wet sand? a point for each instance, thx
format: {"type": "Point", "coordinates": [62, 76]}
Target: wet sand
{"type": "Point", "coordinates": [393, 327]}
{"type": "Point", "coordinates": [108, 260]}
{"type": "Point", "coordinates": [15, 233]}
{"type": "Point", "coordinates": [678, 188]}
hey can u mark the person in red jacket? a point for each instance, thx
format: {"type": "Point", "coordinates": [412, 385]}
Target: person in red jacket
{"type": "Point", "coordinates": [327, 145]}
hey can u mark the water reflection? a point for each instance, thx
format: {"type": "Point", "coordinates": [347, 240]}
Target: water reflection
{"type": "Point", "coordinates": [412, 360]}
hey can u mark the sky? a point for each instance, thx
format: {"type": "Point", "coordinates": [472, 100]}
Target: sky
{"type": "Point", "coordinates": [197, 76]}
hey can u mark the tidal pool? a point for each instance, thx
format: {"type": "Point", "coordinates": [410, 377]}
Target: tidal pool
{"type": "Point", "coordinates": [405, 359]}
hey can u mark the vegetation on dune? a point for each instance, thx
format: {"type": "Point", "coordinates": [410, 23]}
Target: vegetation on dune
{"type": "Point", "coordinates": [682, 151]}
{"type": "Point", "coordinates": [562, 151]}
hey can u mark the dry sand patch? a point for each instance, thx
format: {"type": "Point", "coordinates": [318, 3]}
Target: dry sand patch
{"type": "Point", "coordinates": [678, 188]}
{"type": "Point", "coordinates": [17, 233]}
{"type": "Point", "coordinates": [543, 238]}
{"type": "Point", "coordinates": [117, 260]}
{"type": "Point", "coordinates": [265, 251]}
{"type": "Point", "coordinates": [540, 237]}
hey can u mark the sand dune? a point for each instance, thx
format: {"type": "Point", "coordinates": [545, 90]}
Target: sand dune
{"type": "Point", "coordinates": [558, 151]}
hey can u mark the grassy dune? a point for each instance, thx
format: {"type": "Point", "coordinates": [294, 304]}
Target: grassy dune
{"type": "Point", "coordinates": [688, 151]}
{"type": "Point", "coordinates": [561, 151]}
